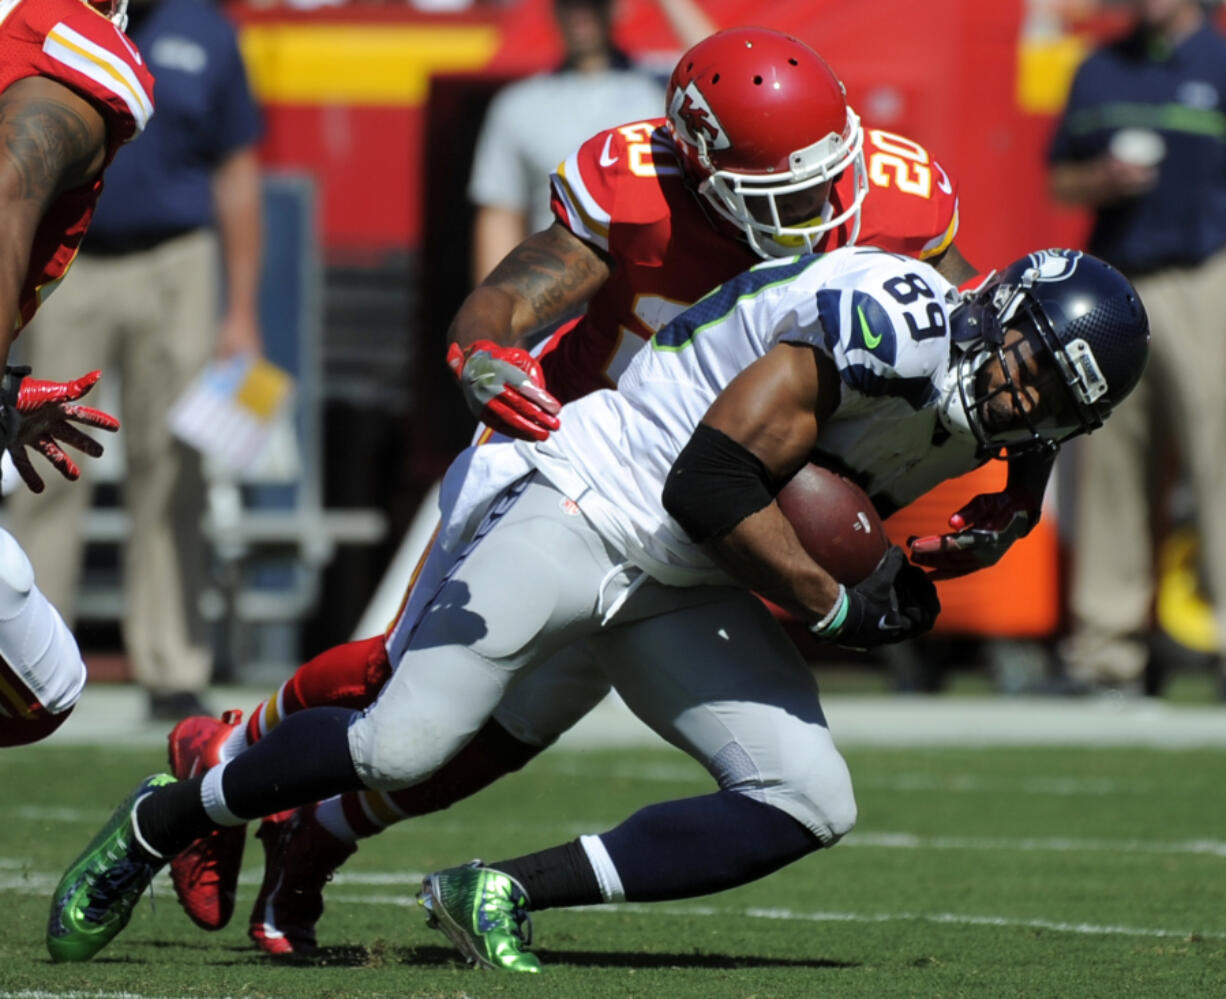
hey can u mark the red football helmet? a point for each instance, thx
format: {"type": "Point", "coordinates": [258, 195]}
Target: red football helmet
{"type": "Point", "coordinates": [112, 10]}
{"type": "Point", "coordinates": [758, 119]}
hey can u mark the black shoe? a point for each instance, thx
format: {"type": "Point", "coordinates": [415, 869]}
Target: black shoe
{"type": "Point", "coordinates": [177, 706]}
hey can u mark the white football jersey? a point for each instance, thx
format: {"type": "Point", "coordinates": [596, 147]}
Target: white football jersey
{"type": "Point", "coordinates": [883, 320]}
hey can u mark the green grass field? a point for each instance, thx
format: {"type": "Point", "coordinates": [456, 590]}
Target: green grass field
{"type": "Point", "coordinates": [972, 873]}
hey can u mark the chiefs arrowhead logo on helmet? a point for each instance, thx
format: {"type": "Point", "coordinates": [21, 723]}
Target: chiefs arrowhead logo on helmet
{"type": "Point", "coordinates": [696, 119]}
{"type": "Point", "coordinates": [702, 129]}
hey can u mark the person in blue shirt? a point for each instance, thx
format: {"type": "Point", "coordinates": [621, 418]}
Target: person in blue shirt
{"type": "Point", "coordinates": [143, 303]}
{"type": "Point", "coordinates": [1142, 142]}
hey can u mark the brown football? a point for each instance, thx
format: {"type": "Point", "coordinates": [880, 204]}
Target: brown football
{"type": "Point", "coordinates": [835, 523]}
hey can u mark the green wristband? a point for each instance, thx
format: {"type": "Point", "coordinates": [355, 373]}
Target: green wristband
{"type": "Point", "coordinates": [833, 621]}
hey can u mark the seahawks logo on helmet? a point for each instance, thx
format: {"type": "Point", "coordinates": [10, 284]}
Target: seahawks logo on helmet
{"type": "Point", "coordinates": [1043, 267]}
{"type": "Point", "coordinates": [1053, 265]}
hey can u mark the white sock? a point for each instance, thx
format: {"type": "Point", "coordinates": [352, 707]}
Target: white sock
{"type": "Point", "coordinates": [331, 815]}
{"type": "Point", "coordinates": [235, 743]}
{"type": "Point", "coordinates": [214, 800]}
{"type": "Point", "coordinates": [610, 881]}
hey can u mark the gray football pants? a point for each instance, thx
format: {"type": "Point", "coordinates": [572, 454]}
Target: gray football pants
{"type": "Point", "coordinates": [707, 668]}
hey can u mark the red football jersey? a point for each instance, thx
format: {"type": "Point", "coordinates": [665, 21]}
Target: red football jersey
{"type": "Point", "coordinates": [72, 43]}
{"type": "Point", "coordinates": [623, 192]}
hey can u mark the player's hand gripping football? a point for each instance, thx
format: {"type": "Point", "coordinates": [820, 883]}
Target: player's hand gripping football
{"type": "Point", "coordinates": [897, 601]}
{"type": "Point", "coordinates": [983, 531]}
{"type": "Point", "coordinates": [504, 389]}
{"type": "Point", "coordinates": [49, 418]}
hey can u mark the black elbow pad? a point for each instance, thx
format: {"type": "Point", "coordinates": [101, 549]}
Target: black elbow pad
{"type": "Point", "coordinates": [714, 484]}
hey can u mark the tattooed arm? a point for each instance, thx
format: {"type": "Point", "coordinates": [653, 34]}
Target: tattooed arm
{"type": "Point", "coordinates": [549, 276]}
{"type": "Point", "coordinates": [954, 267]}
{"type": "Point", "coordinates": [51, 140]}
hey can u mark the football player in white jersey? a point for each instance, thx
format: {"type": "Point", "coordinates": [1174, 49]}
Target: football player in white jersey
{"type": "Point", "coordinates": [868, 358]}
{"type": "Point", "coordinates": [651, 215]}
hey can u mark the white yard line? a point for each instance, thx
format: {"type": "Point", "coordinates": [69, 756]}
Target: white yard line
{"type": "Point", "coordinates": [1035, 844]}
{"type": "Point", "coordinates": [16, 876]}
{"type": "Point", "coordinates": [99, 994]}
{"type": "Point", "coordinates": [790, 915]}
{"type": "Point", "coordinates": [92, 994]}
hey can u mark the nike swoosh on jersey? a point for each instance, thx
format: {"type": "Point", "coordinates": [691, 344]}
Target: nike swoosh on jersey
{"type": "Point", "coordinates": [943, 181]}
{"type": "Point", "coordinates": [871, 339]}
{"type": "Point", "coordinates": [605, 159]}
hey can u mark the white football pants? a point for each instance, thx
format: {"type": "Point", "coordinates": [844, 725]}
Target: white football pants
{"type": "Point", "coordinates": [40, 664]}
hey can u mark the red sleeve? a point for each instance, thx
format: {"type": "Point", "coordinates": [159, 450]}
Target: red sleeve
{"type": "Point", "coordinates": [72, 43]}
{"type": "Point", "coordinates": [604, 179]}
{"type": "Point", "coordinates": [583, 190]}
{"type": "Point", "coordinates": [912, 203]}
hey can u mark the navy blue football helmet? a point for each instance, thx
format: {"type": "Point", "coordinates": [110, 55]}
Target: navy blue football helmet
{"type": "Point", "coordinates": [1091, 330]}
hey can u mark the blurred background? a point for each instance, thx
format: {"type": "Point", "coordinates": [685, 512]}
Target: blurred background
{"type": "Point", "coordinates": [371, 113]}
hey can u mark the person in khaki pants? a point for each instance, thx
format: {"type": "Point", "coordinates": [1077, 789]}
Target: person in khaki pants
{"type": "Point", "coordinates": [1142, 143]}
{"type": "Point", "coordinates": [141, 296]}
{"type": "Point", "coordinates": [145, 303]}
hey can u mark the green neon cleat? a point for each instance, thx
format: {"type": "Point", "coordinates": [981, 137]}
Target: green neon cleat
{"type": "Point", "coordinates": [94, 898]}
{"type": "Point", "coordinates": [484, 913]}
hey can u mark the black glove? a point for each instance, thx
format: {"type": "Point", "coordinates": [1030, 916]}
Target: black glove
{"type": "Point", "coordinates": [896, 602]}
{"type": "Point", "coordinates": [917, 598]}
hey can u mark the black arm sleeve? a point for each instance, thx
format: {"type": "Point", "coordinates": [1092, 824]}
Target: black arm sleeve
{"type": "Point", "coordinates": [715, 483]}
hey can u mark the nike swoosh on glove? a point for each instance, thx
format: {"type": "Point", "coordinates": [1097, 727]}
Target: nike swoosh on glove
{"type": "Point", "coordinates": [504, 388]}
{"type": "Point", "coordinates": [896, 602]}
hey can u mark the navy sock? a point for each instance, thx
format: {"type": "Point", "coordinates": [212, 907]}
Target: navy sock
{"type": "Point", "coordinates": [304, 759]}
{"type": "Point", "coordinates": [695, 846]}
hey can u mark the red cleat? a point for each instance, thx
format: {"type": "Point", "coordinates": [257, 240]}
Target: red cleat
{"type": "Point", "coordinates": [205, 875]}
{"type": "Point", "coordinates": [300, 857]}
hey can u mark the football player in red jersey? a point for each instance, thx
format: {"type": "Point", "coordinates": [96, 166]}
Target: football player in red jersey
{"type": "Point", "coordinates": [650, 216]}
{"type": "Point", "coordinates": [72, 91]}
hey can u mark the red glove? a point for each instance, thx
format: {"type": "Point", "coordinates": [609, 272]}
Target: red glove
{"type": "Point", "coordinates": [47, 415]}
{"type": "Point", "coordinates": [504, 389]}
{"type": "Point", "coordinates": [983, 531]}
